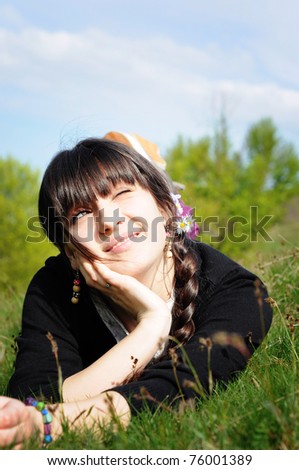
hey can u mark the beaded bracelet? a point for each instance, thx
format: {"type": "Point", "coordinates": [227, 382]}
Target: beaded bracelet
{"type": "Point", "coordinates": [47, 417]}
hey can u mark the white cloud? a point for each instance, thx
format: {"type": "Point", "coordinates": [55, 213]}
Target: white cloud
{"type": "Point", "coordinates": [153, 85]}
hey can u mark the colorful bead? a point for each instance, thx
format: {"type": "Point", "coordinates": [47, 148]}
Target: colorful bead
{"type": "Point", "coordinates": [40, 406]}
{"type": "Point", "coordinates": [47, 419]}
{"type": "Point", "coordinates": [29, 401]}
{"type": "Point", "coordinates": [46, 416]}
{"type": "Point", "coordinates": [47, 429]}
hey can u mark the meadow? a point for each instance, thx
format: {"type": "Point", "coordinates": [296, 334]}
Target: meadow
{"type": "Point", "coordinates": [259, 410]}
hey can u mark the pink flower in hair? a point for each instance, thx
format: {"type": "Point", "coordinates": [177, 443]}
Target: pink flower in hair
{"type": "Point", "coordinates": [185, 222]}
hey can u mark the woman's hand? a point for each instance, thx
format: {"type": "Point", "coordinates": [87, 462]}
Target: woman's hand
{"type": "Point", "coordinates": [17, 422]}
{"type": "Point", "coordinates": [135, 298]}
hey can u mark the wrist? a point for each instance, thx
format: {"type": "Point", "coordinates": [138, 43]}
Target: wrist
{"type": "Point", "coordinates": [41, 418]}
{"type": "Point", "coordinates": [158, 322]}
{"type": "Point", "coordinates": [36, 422]}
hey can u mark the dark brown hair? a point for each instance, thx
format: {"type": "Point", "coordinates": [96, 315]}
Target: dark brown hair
{"type": "Point", "coordinates": [93, 167]}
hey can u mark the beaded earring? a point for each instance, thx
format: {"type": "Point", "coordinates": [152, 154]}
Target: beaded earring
{"type": "Point", "coordinates": [76, 288]}
{"type": "Point", "coordinates": [169, 251]}
{"type": "Point", "coordinates": [168, 244]}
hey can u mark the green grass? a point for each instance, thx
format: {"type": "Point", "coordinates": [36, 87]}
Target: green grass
{"type": "Point", "coordinates": [260, 410]}
{"type": "Point", "coordinates": [284, 238]}
{"type": "Point", "coordinates": [10, 321]}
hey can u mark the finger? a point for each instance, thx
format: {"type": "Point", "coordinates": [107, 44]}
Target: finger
{"type": "Point", "coordinates": [87, 272]}
{"type": "Point", "coordinates": [14, 436]}
{"type": "Point", "coordinates": [96, 272]}
{"type": "Point", "coordinates": [12, 413]}
{"type": "Point", "coordinates": [95, 276]}
{"type": "Point", "coordinates": [3, 401]}
{"type": "Point", "coordinates": [13, 416]}
{"type": "Point", "coordinates": [90, 275]}
{"type": "Point", "coordinates": [108, 276]}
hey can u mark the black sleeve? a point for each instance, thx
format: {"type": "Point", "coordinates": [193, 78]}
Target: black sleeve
{"type": "Point", "coordinates": [234, 309]}
{"type": "Point", "coordinates": [36, 369]}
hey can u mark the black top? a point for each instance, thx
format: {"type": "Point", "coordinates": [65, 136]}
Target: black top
{"type": "Point", "coordinates": [227, 302]}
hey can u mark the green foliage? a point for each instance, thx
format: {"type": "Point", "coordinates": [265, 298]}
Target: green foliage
{"type": "Point", "coordinates": [238, 196]}
{"type": "Point", "coordinates": [10, 325]}
{"type": "Point", "coordinates": [19, 259]}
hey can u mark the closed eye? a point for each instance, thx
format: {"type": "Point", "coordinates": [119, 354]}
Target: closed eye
{"type": "Point", "coordinates": [123, 189]}
{"type": "Point", "coordinates": [123, 192]}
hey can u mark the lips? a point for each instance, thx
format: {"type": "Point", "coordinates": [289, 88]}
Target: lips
{"type": "Point", "coordinates": [122, 239]}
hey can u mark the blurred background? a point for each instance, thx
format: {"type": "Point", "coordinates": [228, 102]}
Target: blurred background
{"type": "Point", "coordinates": [215, 84]}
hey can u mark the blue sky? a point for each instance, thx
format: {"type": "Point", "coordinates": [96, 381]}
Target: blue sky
{"type": "Point", "coordinates": [76, 68]}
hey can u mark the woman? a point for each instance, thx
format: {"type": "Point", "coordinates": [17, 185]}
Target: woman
{"type": "Point", "coordinates": [131, 313]}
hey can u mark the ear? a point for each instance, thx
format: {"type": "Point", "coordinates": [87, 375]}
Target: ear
{"type": "Point", "coordinates": [70, 253]}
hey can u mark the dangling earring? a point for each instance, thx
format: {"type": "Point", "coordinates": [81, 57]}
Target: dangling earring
{"type": "Point", "coordinates": [168, 245]}
{"type": "Point", "coordinates": [168, 250]}
{"type": "Point", "coordinates": [76, 288]}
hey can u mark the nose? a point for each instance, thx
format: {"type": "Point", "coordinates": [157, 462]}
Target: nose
{"type": "Point", "coordinates": [109, 219]}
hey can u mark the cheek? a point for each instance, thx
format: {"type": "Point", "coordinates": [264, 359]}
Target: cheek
{"type": "Point", "coordinates": [157, 231]}
{"type": "Point", "coordinates": [84, 230]}
{"type": "Point", "coordinates": [151, 217]}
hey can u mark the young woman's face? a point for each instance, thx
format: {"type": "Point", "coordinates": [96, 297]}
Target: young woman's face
{"type": "Point", "coordinates": [126, 230]}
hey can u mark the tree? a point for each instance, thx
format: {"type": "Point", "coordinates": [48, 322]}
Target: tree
{"type": "Point", "coordinates": [238, 195]}
{"type": "Point", "coordinates": [18, 204]}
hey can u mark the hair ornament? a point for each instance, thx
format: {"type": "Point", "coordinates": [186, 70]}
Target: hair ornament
{"type": "Point", "coordinates": [184, 222]}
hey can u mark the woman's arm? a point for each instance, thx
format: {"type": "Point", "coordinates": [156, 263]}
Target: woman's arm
{"type": "Point", "coordinates": [136, 350]}
{"type": "Point", "coordinates": [80, 336]}
{"type": "Point", "coordinates": [19, 422]}
{"type": "Point", "coordinates": [127, 357]}
{"type": "Point", "coordinates": [235, 319]}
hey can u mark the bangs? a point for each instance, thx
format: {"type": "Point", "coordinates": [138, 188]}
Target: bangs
{"type": "Point", "coordinates": [76, 177]}
{"type": "Point", "coordinates": [85, 175]}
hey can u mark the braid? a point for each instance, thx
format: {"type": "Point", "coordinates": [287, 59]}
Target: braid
{"type": "Point", "coordinates": [186, 290]}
